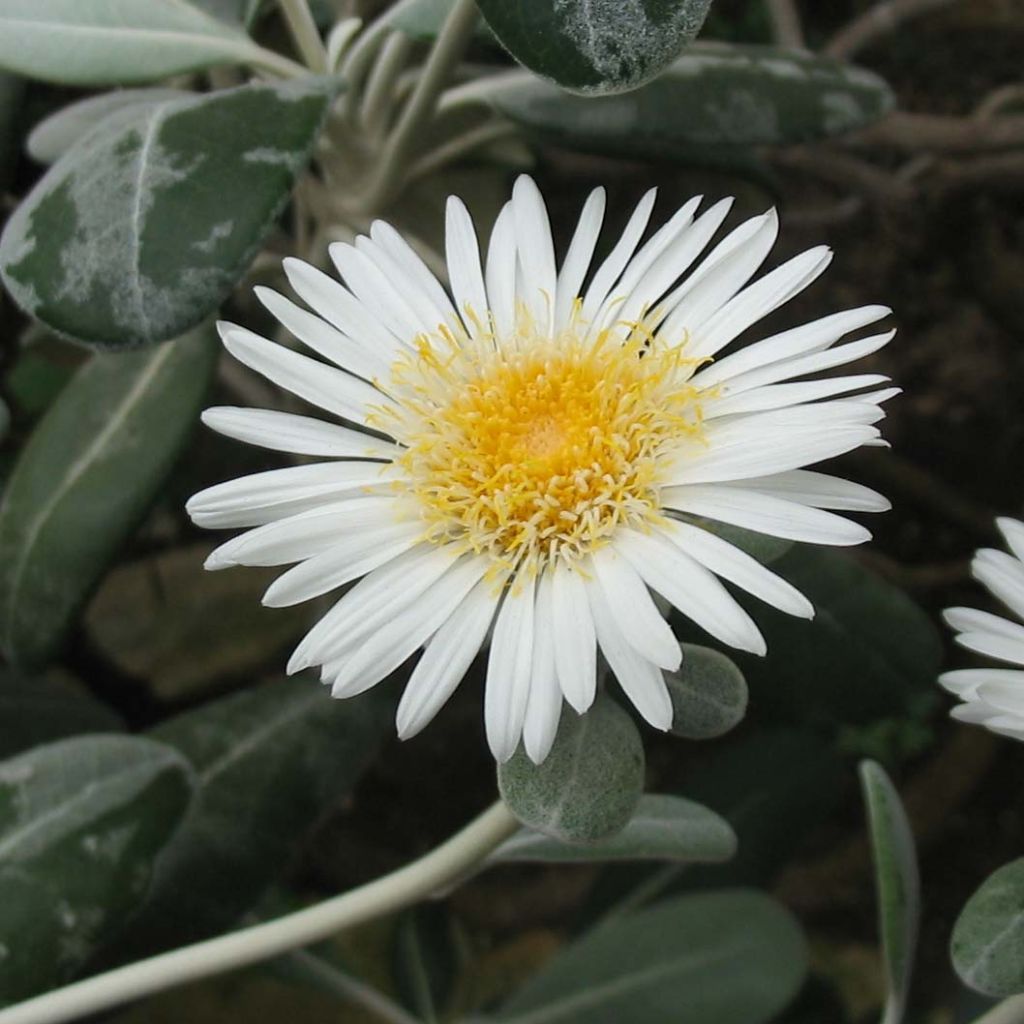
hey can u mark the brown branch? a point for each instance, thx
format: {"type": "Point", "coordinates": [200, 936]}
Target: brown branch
{"type": "Point", "coordinates": [786, 26]}
{"type": "Point", "coordinates": [939, 133]}
{"type": "Point", "coordinates": [878, 21]}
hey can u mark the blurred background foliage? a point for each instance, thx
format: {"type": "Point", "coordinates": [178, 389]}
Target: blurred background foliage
{"type": "Point", "coordinates": [118, 630]}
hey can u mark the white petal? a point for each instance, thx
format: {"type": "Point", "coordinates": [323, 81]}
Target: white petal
{"type": "Point", "coordinates": [349, 558]}
{"type": "Point", "coordinates": [1003, 575]}
{"type": "Point", "coordinates": [462, 253]}
{"type": "Point", "coordinates": [806, 487]}
{"type": "Point", "coordinates": [575, 651]}
{"type": "Point", "coordinates": [964, 682]}
{"type": "Point", "coordinates": [691, 588]}
{"type": "Point", "coordinates": [812, 337]}
{"type": "Point", "coordinates": [379, 654]}
{"type": "Point", "coordinates": [446, 659]}
{"type": "Point", "coordinates": [971, 620]}
{"type": "Point", "coordinates": [779, 396]}
{"type": "Point", "coordinates": [728, 562]}
{"type": "Point", "coordinates": [265, 497]}
{"type": "Point", "coordinates": [544, 708]}
{"type": "Point", "coordinates": [337, 305]}
{"type": "Point", "coordinates": [577, 259]}
{"type": "Point", "coordinates": [641, 680]}
{"type": "Point", "coordinates": [302, 435]}
{"type": "Point", "coordinates": [764, 513]}
{"type": "Point", "coordinates": [536, 252]}
{"type": "Point", "coordinates": [1013, 531]}
{"type": "Point", "coordinates": [759, 299]}
{"type": "Point", "coordinates": [500, 274]}
{"type": "Point", "coordinates": [508, 669]}
{"type": "Point", "coordinates": [994, 646]}
{"type": "Point", "coordinates": [377, 293]}
{"type": "Point", "coordinates": [322, 385]}
{"type": "Point", "coordinates": [717, 280]}
{"type": "Point", "coordinates": [324, 339]}
{"type": "Point", "coordinates": [608, 272]}
{"type": "Point", "coordinates": [300, 536]}
{"type": "Point", "coordinates": [374, 600]}
{"type": "Point", "coordinates": [634, 610]}
{"type": "Point", "coordinates": [433, 297]}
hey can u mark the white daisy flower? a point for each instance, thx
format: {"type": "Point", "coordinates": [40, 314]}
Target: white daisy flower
{"type": "Point", "coordinates": [544, 441]}
{"type": "Point", "coordinates": [993, 697]}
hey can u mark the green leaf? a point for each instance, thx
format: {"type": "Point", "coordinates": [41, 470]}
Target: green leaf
{"type": "Point", "coordinates": [988, 940]}
{"type": "Point", "coordinates": [709, 694]}
{"type": "Point", "coordinates": [87, 475]}
{"type": "Point", "coordinates": [662, 828]}
{"type": "Point", "coordinates": [715, 97]}
{"type": "Point", "coordinates": [34, 711]}
{"type": "Point", "coordinates": [869, 653]}
{"type": "Point", "coordinates": [733, 957]}
{"type": "Point", "coordinates": [117, 41]}
{"type": "Point", "coordinates": [588, 786]}
{"type": "Point", "coordinates": [898, 883]}
{"type": "Point", "coordinates": [56, 134]}
{"type": "Point", "coordinates": [81, 821]}
{"type": "Point", "coordinates": [141, 229]}
{"type": "Point", "coordinates": [595, 47]}
{"type": "Point", "coordinates": [270, 762]}
{"type": "Point", "coordinates": [234, 12]}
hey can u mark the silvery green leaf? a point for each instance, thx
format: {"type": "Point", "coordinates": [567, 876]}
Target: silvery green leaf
{"type": "Point", "coordinates": [270, 761]}
{"type": "Point", "coordinates": [84, 480]}
{"type": "Point", "coordinates": [81, 823]}
{"type": "Point", "coordinates": [662, 828]}
{"type": "Point", "coordinates": [719, 96]}
{"type": "Point", "coordinates": [56, 134]}
{"type": "Point", "coordinates": [709, 694]}
{"type": "Point", "coordinates": [988, 940]}
{"type": "Point", "coordinates": [732, 957]}
{"type": "Point", "coordinates": [106, 42]}
{"type": "Point", "coordinates": [595, 46]}
{"type": "Point", "coordinates": [141, 229]}
{"type": "Point", "coordinates": [898, 884]}
{"type": "Point", "coordinates": [43, 709]}
{"type": "Point", "coordinates": [589, 786]}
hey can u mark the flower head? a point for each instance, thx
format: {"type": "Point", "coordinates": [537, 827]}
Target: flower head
{"type": "Point", "coordinates": [532, 454]}
{"type": "Point", "coordinates": [993, 697]}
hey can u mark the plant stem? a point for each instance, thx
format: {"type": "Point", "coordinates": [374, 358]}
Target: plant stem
{"type": "Point", "coordinates": [267, 60]}
{"type": "Point", "coordinates": [261, 942]}
{"type": "Point", "coordinates": [460, 146]}
{"type": "Point", "coordinates": [303, 30]}
{"type": "Point", "coordinates": [1009, 1011]}
{"type": "Point", "coordinates": [378, 99]}
{"type": "Point", "coordinates": [445, 55]}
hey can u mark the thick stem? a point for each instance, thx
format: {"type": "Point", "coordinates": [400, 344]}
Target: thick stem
{"type": "Point", "coordinates": [786, 24]}
{"type": "Point", "coordinates": [1010, 1011]}
{"type": "Point", "coordinates": [267, 60]}
{"type": "Point", "coordinates": [303, 30]}
{"type": "Point", "coordinates": [261, 942]}
{"type": "Point", "coordinates": [414, 121]}
{"type": "Point", "coordinates": [877, 21]}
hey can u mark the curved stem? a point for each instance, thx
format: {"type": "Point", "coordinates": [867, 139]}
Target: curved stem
{"type": "Point", "coordinates": [378, 98]}
{"type": "Point", "coordinates": [267, 60]}
{"type": "Point", "coordinates": [445, 55]}
{"type": "Point", "coordinates": [1009, 1011]}
{"type": "Point", "coordinates": [305, 34]}
{"type": "Point", "coordinates": [263, 941]}
{"type": "Point", "coordinates": [460, 146]}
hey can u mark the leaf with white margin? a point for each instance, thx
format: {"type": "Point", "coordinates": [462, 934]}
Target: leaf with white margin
{"type": "Point", "coordinates": [898, 884]}
{"type": "Point", "coordinates": [141, 229]}
{"type": "Point", "coordinates": [82, 821]}
{"type": "Point", "coordinates": [663, 827]}
{"type": "Point", "coordinates": [728, 957]}
{"type": "Point", "coordinates": [595, 46]}
{"type": "Point", "coordinates": [84, 480]}
{"type": "Point", "coordinates": [107, 42]}
{"type": "Point", "coordinates": [56, 134]}
{"type": "Point", "coordinates": [717, 95]}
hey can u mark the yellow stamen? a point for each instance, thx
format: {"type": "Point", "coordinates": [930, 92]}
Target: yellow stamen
{"type": "Point", "coordinates": [533, 448]}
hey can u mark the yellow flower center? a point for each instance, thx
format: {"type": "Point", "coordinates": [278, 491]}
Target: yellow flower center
{"type": "Point", "coordinates": [536, 448]}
